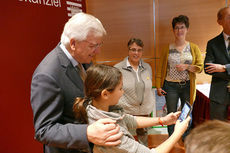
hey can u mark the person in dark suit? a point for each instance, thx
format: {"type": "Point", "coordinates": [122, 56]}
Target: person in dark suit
{"type": "Point", "coordinates": [56, 83]}
{"type": "Point", "coordinates": [217, 64]}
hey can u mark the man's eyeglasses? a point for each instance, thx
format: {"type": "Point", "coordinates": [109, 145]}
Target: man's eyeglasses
{"type": "Point", "coordinates": [93, 45]}
{"type": "Point", "coordinates": [135, 50]}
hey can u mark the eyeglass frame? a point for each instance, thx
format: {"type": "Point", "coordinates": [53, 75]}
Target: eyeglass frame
{"type": "Point", "coordinates": [135, 50]}
{"type": "Point", "coordinates": [180, 28]}
{"type": "Point", "coordinates": [93, 45]}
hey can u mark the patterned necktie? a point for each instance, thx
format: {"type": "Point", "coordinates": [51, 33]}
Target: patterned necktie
{"type": "Point", "coordinates": [228, 46]}
{"type": "Point", "coordinates": [81, 71]}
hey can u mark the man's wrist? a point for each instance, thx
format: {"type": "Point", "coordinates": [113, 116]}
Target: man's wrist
{"type": "Point", "coordinates": [224, 68]}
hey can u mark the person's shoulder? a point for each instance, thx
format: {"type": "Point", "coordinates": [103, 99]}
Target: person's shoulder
{"type": "Point", "coordinates": [193, 45]}
{"type": "Point", "coordinates": [147, 65]}
{"type": "Point", "coordinates": [120, 64]}
{"type": "Point", "coordinates": [117, 65]}
{"type": "Point", "coordinates": [213, 40]}
{"type": "Point", "coordinates": [50, 63]}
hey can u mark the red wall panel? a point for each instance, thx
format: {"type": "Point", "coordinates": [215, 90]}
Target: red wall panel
{"type": "Point", "coordinates": [29, 30]}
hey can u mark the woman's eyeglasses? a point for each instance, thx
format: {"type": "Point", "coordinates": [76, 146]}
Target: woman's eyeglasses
{"type": "Point", "coordinates": [179, 28]}
{"type": "Point", "coordinates": [135, 50]}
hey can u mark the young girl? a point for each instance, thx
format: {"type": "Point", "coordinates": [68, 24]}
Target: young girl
{"type": "Point", "coordinates": [103, 88]}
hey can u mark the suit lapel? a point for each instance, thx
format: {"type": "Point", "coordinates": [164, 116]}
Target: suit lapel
{"type": "Point", "coordinates": [222, 46]}
{"type": "Point", "coordinates": [71, 71]}
{"type": "Point", "coordinates": [74, 76]}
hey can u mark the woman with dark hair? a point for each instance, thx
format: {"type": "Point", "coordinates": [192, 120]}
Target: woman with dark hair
{"type": "Point", "coordinates": [138, 98]}
{"type": "Point", "coordinates": [176, 73]}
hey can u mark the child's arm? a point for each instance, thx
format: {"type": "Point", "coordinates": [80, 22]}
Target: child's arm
{"type": "Point", "coordinates": [179, 130]}
{"type": "Point", "coordinates": [143, 122]}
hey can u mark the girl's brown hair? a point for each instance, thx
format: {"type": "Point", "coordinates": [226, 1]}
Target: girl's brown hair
{"type": "Point", "coordinates": [99, 77]}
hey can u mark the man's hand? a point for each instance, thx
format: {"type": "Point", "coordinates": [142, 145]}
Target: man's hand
{"type": "Point", "coordinates": [211, 68]}
{"type": "Point", "coordinates": [104, 132]}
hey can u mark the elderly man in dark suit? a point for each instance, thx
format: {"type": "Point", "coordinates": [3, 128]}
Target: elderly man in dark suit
{"type": "Point", "coordinates": [58, 80]}
{"type": "Point", "coordinates": [217, 63]}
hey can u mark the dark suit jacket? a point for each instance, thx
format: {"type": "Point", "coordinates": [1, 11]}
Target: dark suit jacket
{"type": "Point", "coordinates": [216, 52]}
{"type": "Point", "coordinates": [55, 85]}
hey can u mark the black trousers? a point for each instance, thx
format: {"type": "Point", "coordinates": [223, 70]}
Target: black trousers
{"type": "Point", "coordinates": [218, 111]}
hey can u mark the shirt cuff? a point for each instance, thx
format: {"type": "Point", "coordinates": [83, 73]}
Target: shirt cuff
{"type": "Point", "coordinates": [227, 66]}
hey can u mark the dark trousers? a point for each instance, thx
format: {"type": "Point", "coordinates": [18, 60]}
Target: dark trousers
{"type": "Point", "coordinates": [218, 111]}
{"type": "Point", "coordinates": [174, 92]}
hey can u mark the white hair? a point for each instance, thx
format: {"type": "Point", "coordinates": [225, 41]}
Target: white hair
{"type": "Point", "coordinates": [79, 26]}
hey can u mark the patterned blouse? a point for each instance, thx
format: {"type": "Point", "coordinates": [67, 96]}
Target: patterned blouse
{"type": "Point", "coordinates": [176, 57]}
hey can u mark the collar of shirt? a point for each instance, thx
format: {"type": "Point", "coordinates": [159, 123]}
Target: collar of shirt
{"type": "Point", "coordinates": [225, 36]}
{"type": "Point", "coordinates": [129, 65]}
{"type": "Point", "coordinates": [136, 71]}
{"type": "Point", "coordinates": [226, 39]}
{"type": "Point", "coordinates": [70, 57]}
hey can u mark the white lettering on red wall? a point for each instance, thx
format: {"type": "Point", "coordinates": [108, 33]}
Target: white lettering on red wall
{"type": "Point", "coordinates": [53, 3]}
{"type": "Point", "coordinates": [74, 7]}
